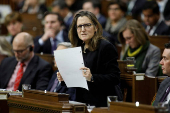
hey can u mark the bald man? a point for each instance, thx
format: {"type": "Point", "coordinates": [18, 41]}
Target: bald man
{"type": "Point", "coordinates": [25, 67]}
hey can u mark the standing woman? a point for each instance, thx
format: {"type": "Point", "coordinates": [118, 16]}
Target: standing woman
{"type": "Point", "coordinates": [100, 58]}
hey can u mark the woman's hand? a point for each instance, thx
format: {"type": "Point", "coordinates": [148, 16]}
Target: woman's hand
{"type": "Point", "coordinates": [86, 73]}
{"type": "Point", "coordinates": [59, 77]}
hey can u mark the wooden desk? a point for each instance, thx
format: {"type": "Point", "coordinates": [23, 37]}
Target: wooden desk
{"type": "Point", "coordinates": [132, 108]}
{"type": "Point", "coordinates": [126, 107]}
{"type": "Point", "coordinates": [49, 58]}
{"type": "Point", "coordinates": [126, 81]}
{"type": "Point", "coordinates": [35, 101]}
{"type": "Point", "coordinates": [3, 106]}
{"type": "Point", "coordinates": [143, 88]}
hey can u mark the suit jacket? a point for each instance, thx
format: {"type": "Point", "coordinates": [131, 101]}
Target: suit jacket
{"type": "Point", "coordinates": [46, 48]}
{"type": "Point", "coordinates": [68, 23]}
{"type": "Point", "coordinates": [137, 9]}
{"type": "Point", "coordinates": [37, 73]}
{"type": "Point", "coordinates": [166, 13]}
{"type": "Point", "coordinates": [62, 88]}
{"type": "Point", "coordinates": [106, 75]}
{"type": "Point", "coordinates": [151, 60]}
{"type": "Point", "coordinates": [162, 29]}
{"type": "Point", "coordinates": [102, 20]}
{"type": "Point", "coordinates": [162, 88]}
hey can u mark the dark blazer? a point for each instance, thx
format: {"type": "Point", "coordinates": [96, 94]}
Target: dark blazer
{"type": "Point", "coordinates": [166, 13]}
{"type": "Point", "coordinates": [68, 23]}
{"type": "Point", "coordinates": [162, 29]}
{"type": "Point", "coordinates": [46, 48]}
{"type": "Point", "coordinates": [137, 9]}
{"type": "Point", "coordinates": [162, 88]}
{"type": "Point", "coordinates": [37, 74]}
{"type": "Point", "coordinates": [62, 88]}
{"type": "Point", "coordinates": [106, 75]}
{"type": "Point", "coordinates": [102, 20]}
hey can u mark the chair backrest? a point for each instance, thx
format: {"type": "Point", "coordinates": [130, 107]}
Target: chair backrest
{"type": "Point", "coordinates": [159, 41]}
{"type": "Point", "coordinates": [49, 58]}
{"type": "Point", "coordinates": [32, 24]}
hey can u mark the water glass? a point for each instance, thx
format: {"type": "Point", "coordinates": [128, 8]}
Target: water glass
{"type": "Point", "coordinates": [110, 99]}
{"type": "Point", "coordinates": [130, 62]}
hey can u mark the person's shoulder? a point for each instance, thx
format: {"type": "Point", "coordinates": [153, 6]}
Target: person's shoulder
{"type": "Point", "coordinates": [163, 25]}
{"type": "Point", "coordinates": [8, 60]}
{"type": "Point", "coordinates": [41, 61]}
{"type": "Point", "coordinates": [153, 47]}
{"type": "Point", "coordinates": [105, 44]}
{"type": "Point", "coordinates": [165, 81]}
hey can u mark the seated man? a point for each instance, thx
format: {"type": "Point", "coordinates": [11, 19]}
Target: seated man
{"type": "Point", "coordinates": [55, 84]}
{"type": "Point", "coordinates": [25, 67]}
{"type": "Point", "coordinates": [153, 23]}
{"type": "Point", "coordinates": [54, 34]}
{"type": "Point", "coordinates": [95, 8]}
{"type": "Point", "coordinates": [163, 94]}
{"type": "Point", "coordinates": [60, 6]}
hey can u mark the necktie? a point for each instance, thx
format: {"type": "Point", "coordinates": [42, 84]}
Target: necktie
{"type": "Point", "coordinates": [19, 76]}
{"type": "Point", "coordinates": [54, 45]}
{"type": "Point", "coordinates": [165, 94]}
{"type": "Point", "coordinates": [149, 30]}
{"type": "Point", "coordinates": [54, 85]}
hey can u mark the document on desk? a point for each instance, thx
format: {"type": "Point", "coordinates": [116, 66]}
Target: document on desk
{"type": "Point", "coordinates": [69, 61]}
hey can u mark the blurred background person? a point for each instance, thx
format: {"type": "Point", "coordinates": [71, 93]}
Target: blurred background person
{"type": "Point", "coordinates": [74, 5]}
{"type": "Point", "coordinates": [100, 59]}
{"type": "Point", "coordinates": [116, 19]}
{"type": "Point", "coordinates": [95, 7]}
{"type": "Point", "coordinates": [58, 85]}
{"type": "Point", "coordinates": [62, 8]}
{"type": "Point", "coordinates": [164, 10]}
{"type": "Point", "coordinates": [134, 8]}
{"type": "Point", "coordinates": [34, 7]}
{"type": "Point", "coordinates": [153, 23]}
{"type": "Point", "coordinates": [53, 34]}
{"type": "Point", "coordinates": [5, 49]}
{"type": "Point", "coordinates": [147, 56]}
{"type": "Point", "coordinates": [13, 22]}
{"type": "Point", "coordinates": [18, 5]}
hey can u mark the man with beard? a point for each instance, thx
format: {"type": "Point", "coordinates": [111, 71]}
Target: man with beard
{"type": "Point", "coordinates": [25, 67]}
{"type": "Point", "coordinates": [54, 33]}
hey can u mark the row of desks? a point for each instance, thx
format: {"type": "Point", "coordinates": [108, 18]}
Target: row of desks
{"type": "Point", "coordinates": [34, 101]}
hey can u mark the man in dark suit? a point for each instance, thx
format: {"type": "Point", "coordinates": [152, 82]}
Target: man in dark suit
{"type": "Point", "coordinates": [60, 6]}
{"type": "Point", "coordinates": [54, 34]}
{"type": "Point", "coordinates": [25, 67]}
{"type": "Point", "coordinates": [163, 94]}
{"type": "Point", "coordinates": [94, 7]}
{"type": "Point", "coordinates": [153, 23]}
{"type": "Point", "coordinates": [57, 84]}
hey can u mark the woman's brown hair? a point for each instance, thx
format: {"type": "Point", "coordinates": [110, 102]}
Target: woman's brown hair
{"type": "Point", "coordinates": [73, 36]}
{"type": "Point", "coordinates": [136, 29]}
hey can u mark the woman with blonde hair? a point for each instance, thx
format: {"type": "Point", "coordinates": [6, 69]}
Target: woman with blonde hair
{"type": "Point", "coordinates": [134, 37]}
{"type": "Point", "coordinates": [5, 49]}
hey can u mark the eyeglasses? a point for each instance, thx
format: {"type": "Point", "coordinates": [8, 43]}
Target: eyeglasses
{"type": "Point", "coordinates": [86, 26]}
{"type": "Point", "coordinates": [20, 51]}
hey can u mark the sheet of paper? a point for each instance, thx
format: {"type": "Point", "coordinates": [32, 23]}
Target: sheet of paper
{"type": "Point", "coordinates": [69, 61]}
